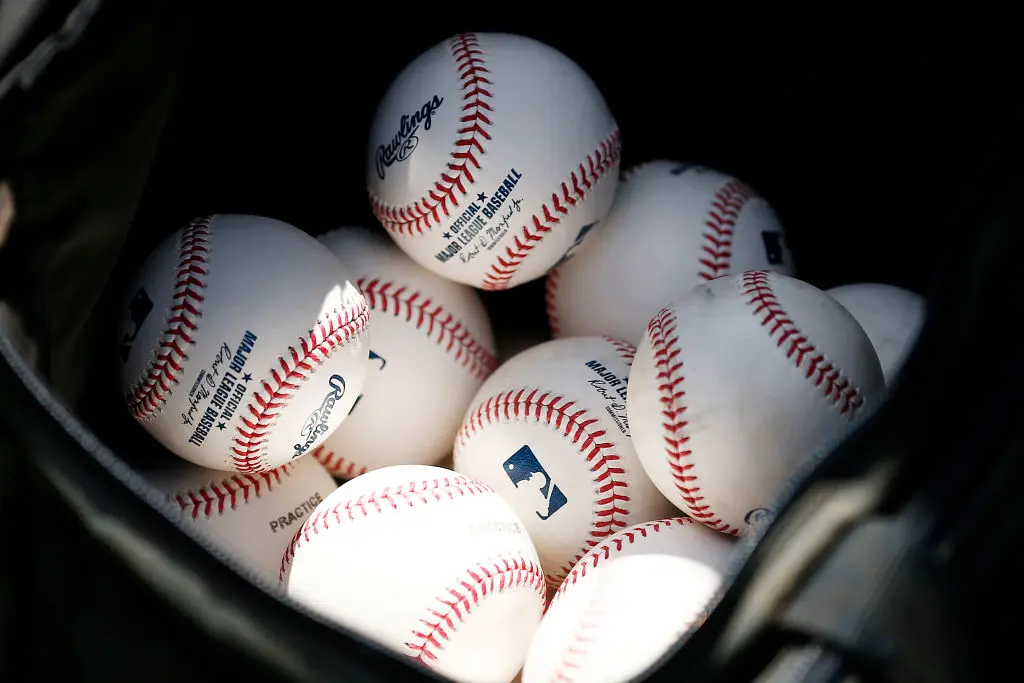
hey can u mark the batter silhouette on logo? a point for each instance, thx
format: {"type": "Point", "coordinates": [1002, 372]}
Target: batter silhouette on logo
{"type": "Point", "coordinates": [526, 473]}
{"type": "Point", "coordinates": [683, 168]}
{"type": "Point", "coordinates": [575, 245]}
{"type": "Point", "coordinates": [772, 247]}
{"type": "Point", "coordinates": [138, 311]}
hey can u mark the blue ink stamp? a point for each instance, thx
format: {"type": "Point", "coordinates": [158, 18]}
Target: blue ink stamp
{"type": "Point", "coordinates": [526, 473]}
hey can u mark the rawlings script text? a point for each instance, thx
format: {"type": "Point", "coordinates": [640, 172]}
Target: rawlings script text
{"type": "Point", "coordinates": [316, 423]}
{"type": "Point", "coordinates": [404, 143]}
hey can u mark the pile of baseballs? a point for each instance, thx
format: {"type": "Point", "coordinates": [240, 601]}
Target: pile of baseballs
{"type": "Point", "coordinates": [598, 479]}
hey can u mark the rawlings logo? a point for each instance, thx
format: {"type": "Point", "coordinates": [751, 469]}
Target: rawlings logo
{"type": "Point", "coordinates": [404, 143]}
{"type": "Point", "coordinates": [316, 423]}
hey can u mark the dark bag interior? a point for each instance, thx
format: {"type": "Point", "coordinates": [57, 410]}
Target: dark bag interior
{"type": "Point", "coordinates": [888, 156]}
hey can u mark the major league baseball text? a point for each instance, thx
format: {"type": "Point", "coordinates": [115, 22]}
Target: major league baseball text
{"type": "Point", "coordinates": [485, 218]}
{"type": "Point", "coordinates": [502, 210]}
{"type": "Point", "coordinates": [612, 389]}
{"type": "Point", "coordinates": [224, 379]}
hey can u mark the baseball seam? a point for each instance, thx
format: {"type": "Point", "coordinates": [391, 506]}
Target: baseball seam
{"type": "Point", "coordinates": [457, 601]}
{"type": "Point", "coordinates": [605, 551]}
{"type": "Point", "coordinates": [151, 390]}
{"type": "Point", "coordinates": [628, 173]}
{"type": "Point", "coordinates": [217, 496]}
{"type": "Point", "coordinates": [551, 301]}
{"type": "Point", "coordinates": [399, 497]}
{"type": "Point", "coordinates": [337, 465]}
{"type": "Point", "coordinates": [330, 332]}
{"type": "Point", "coordinates": [726, 206]}
{"type": "Point", "coordinates": [433, 319]}
{"type": "Point", "coordinates": [839, 390]}
{"type": "Point", "coordinates": [575, 424]}
{"type": "Point", "coordinates": [592, 619]}
{"type": "Point", "coordinates": [573, 190]}
{"type": "Point", "coordinates": [625, 350]}
{"type": "Point", "coordinates": [661, 332]}
{"type": "Point", "coordinates": [426, 212]}
{"type": "Point", "coordinates": [581, 639]}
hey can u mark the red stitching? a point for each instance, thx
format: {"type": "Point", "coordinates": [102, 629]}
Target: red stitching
{"type": "Point", "coordinates": [664, 344]}
{"type": "Point", "coordinates": [337, 465]}
{"type": "Point", "coordinates": [458, 601]}
{"type": "Point", "coordinates": [331, 332]}
{"type": "Point", "coordinates": [576, 425]}
{"type": "Point", "coordinates": [148, 394]}
{"type": "Point", "coordinates": [591, 619]}
{"type": "Point", "coordinates": [218, 495]}
{"type": "Point", "coordinates": [427, 211]}
{"type": "Point", "coordinates": [438, 323]}
{"type": "Point", "coordinates": [726, 206]}
{"type": "Point", "coordinates": [581, 181]}
{"type": "Point", "coordinates": [628, 174]}
{"type": "Point", "coordinates": [625, 350]}
{"type": "Point", "coordinates": [397, 497]}
{"type": "Point", "coordinates": [615, 545]}
{"type": "Point", "coordinates": [583, 636]}
{"type": "Point", "coordinates": [551, 300]}
{"type": "Point", "coordinates": [839, 390]}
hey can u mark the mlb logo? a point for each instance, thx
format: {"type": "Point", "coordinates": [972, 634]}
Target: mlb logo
{"type": "Point", "coordinates": [528, 475]}
{"type": "Point", "coordinates": [138, 310]}
{"type": "Point", "coordinates": [574, 247]}
{"type": "Point", "coordinates": [683, 168]}
{"type": "Point", "coordinates": [773, 247]}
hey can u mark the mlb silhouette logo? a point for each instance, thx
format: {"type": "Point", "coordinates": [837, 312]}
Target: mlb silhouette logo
{"type": "Point", "coordinates": [773, 247]}
{"type": "Point", "coordinates": [138, 310]}
{"type": "Point", "coordinates": [574, 247]}
{"type": "Point", "coordinates": [683, 168]}
{"type": "Point", "coordinates": [527, 474]}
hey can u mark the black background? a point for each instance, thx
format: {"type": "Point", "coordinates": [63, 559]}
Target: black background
{"type": "Point", "coordinates": [865, 140]}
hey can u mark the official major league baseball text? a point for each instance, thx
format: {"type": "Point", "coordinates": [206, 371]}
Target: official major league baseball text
{"type": "Point", "coordinates": [233, 377]}
{"type": "Point", "coordinates": [482, 198]}
{"type": "Point", "coordinates": [228, 390]}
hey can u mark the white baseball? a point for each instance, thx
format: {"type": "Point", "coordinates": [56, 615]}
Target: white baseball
{"type": "Point", "coordinates": [491, 155]}
{"type": "Point", "coordinates": [432, 348]}
{"type": "Point", "coordinates": [548, 432]}
{"type": "Point", "coordinates": [738, 385]}
{"type": "Point", "coordinates": [243, 343]}
{"type": "Point", "coordinates": [253, 516]}
{"type": "Point", "coordinates": [428, 562]}
{"type": "Point", "coordinates": [628, 602]}
{"type": "Point", "coordinates": [891, 316]}
{"type": "Point", "coordinates": [672, 227]}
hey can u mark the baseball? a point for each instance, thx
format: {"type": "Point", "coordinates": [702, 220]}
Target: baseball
{"type": "Point", "coordinates": [672, 227]}
{"type": "Point", "coordinates": [628, 601]}
{"type": "Point", "coordinates": [490, 157]}
{"type": "Point", "coordinates": [891, 316]}
{"type": "Point", "coordinates": [431, 349]}
{"type": "Point", "coordinates": [548, 431]}
{"type": "Point", "coordinates": [428, 562]}
{"type": "Point", "coordinates": [250, 515]}
{"type": "Point", "coordinates": [230, 366]}
{"type": "Point", "coordinates": [738, 385]}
